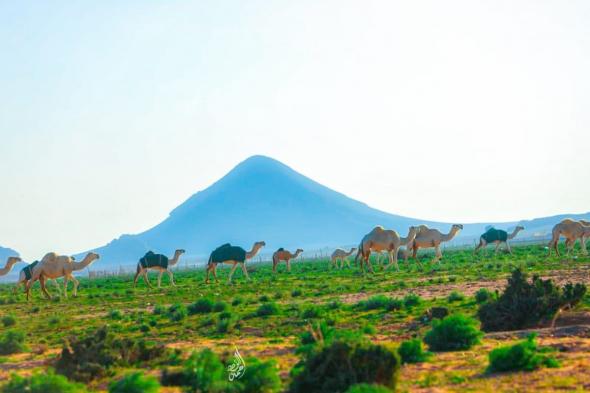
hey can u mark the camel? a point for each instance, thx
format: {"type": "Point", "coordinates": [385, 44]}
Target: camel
{"type": "Point", "coordinates": [284, 255]}
{"type": "Point", "coordinates": [159, 262]}
{"type": "Point", "coordinates": [572, 230]}
{"type": "Point", "coordinates": [426, 238]}
{"type": "Point", "coordinates": [497, 236]}
{"type": "Point", "coordinates": [342, 256]}
{"type": "Point", "coordinates": [380, 239]}
{"type": "Point", "coordinates": [53, 266]}
{"type": "Point", "coordinates": [231, 255]}
{"type": "Point", "coordinates": [10, 262]}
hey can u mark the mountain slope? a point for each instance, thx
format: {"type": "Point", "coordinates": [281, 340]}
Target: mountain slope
{"type": "Point", "coordinates": [263, 199]}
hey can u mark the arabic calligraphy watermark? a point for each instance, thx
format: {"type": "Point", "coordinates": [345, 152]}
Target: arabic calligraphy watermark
{"type": "Point", "coordinates": [237, 368]}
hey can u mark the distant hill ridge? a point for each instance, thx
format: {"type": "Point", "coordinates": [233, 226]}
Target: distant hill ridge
{"type": "Point", "coordinates": [263, 199]}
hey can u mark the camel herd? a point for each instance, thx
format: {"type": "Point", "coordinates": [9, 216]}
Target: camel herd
{"type": "Point", "coordinates": [379, 240]}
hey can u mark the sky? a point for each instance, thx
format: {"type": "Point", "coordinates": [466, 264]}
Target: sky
{"type": "Point", "coordinates": [112, 113]}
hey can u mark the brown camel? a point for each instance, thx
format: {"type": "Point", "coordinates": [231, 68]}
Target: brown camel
{"type": "Point", "coordinates": [10, 262]}
{"type": "Point", "coordinates": [572, 230]}
{"type": "Point", "coordinates": [342, 256]}
{"type": "Point", "coordinates": [53, 266]}
{"type": "Point", "coordinates": [158, 262]}
{"type": "Point", "coordinates": [380, 239]}
{"type": "Point", "coordinates": [284, 255]}
{"type": "Point", "coordinates": [497, 236]}
{"type": "Point", "coordinates": [232, 255]}
{"type": "Point", "coordinates": [427, 238]}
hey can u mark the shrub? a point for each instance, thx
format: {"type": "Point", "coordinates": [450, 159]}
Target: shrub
{"type": "Point", "coordinates": [115, 314]}
{"type": "Point", "coordinates": [264, 298]}
{"type": "Point", "coordinates": [12, 341]}
{"type": "Point", "coordinates": [380, 302]}
{"type": "Point", "coordinates": [455, 296]}
{"type": "Point", "coordinates": [311, 312]}
{"type": "Point", "coordinates": [202, 372]}
{"type": "Point", "coordinates": [220, 306]}
{"type": "Point", "coordinates": [177, 312]}
{"type": "Point", "coordinates": [237, 301]}
{"type": "Point", "coordinates": [524, 304]}
{"type": "Point", "coordinates": [412, 351]}
{"type": "Point", "coordinates": [368, 388]}
{"type": "Point", "coordinates": [455, 332]}
{"type": "Point", "coordinates": [523, 356]}
{"type": "Point", "coordinates": [135, 383]}
{"type": "Point", "coordinates": [8, 320]}
{"type": "Point", "coordinates": [41, 383]}
{"type": "Point", "coordinates": [411, 300]}
{"type": "Point", "coordinates": [93, 356]}
{"type": "Point", "coordinates": [201, 306]}
{"type": "Point", "coordinates": [482, 295]}
{"type": "Point", "coordinates": [296, 292]}
{"type": "Point", "coordinates": [337, 367]}
{"type": "Point", "coordinates": [260, 377]}
{"type": "Point", "coordinates": [267, 309]}
{"type": "Point", "coordinates": [159, 309]}
{"type": "Point", "coordinates": [226, 322]}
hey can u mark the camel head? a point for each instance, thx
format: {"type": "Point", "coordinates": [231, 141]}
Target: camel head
{"type": "Point", "coordinates": [299, 251]}
{"type": "Point", "coordinates": [519, 228]}
{"type": "Point", "coordinates": [179, 251]}
{"type": "Point", "coordinates": [260, 244]}
{"type": "Point", "coordinates": [12, 260]}
{"type": "Point", "coordinates": [457, 227]}
{"type": "Point", "coordinates": [92, 256]}
{"type": "Point", "coordinates": [353, 249]}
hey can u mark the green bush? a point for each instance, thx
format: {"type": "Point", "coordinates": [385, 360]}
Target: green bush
{"type": "Point", "coordinates": [411, 300]}
{"type": "Point", "coordinates": [523, 356]}
{"type": "Point", "coordinates": [12, 341]}
{"type": "Point", "coordinates": [93, 356]}
{"type": "Point", "coordinates": [237, 301]}
{"type": "Point", "coordinates": [296, 293]}
{"type": "Point", "coordinates": [201, 306]}
{"type": "Point", "coordinates": [202, 372]}
{"type": "Point", "coordinates": [311, 312]}
{"type": "Point", "coordinates": [260, 377]}
{"type": "Point", "coordinates": [267, 309]}
{"type": "Point", "coordinates": [412, 351]}
{"type": "Point", "coordinates": [159, 309]}
{"type": "Point", "coordinates": [368, 388]}
{"type": "Point", "coordinates": [525, 304]}
{"type": "Point", "coordinates": [8, 320]}
{"type": "Point", "coordinates": [135, 383]}
{"type": "Point", "coordinates": [226, 322]}
{"type": "Point", "coordinates": [46, 382]}
{"type": "Point", "coordinates": [337, 367]}
{"type": "Point", "coordinates": [380, 302]}
{"type": "Point", "coordinates": [177, 312]}
{"type": "Point", "coordinates": [453, 333]}
{"type": "Point", "coordinates": [220, 306]}
{"type": "Point", "coordinates": [115, 314]}
{"type": "Point", "coordinates": [483, 295]}
{"type": "Point", "coordinates": [455, 296]}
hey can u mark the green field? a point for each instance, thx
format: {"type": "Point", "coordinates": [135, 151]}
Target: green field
{"type": "Point", "coordinates": [293, 301]}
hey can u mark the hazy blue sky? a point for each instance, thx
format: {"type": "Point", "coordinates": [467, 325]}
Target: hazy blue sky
{"type": "Point", "coordinates": [114, 112]}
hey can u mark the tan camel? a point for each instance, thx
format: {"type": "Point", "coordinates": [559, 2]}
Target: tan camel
{"type": "Point", "coordinates": [380, 239]}
{"type": "Point", "coordinates": [53, 266]}
{"type": "Point", "coordinates": [10, 262]}
{"type": "Point", "coordinates": [427, 238]}
{"type": "Point", "coordinates": [497, 236]}
{"type": "Point", "coordinates": [231, 255]}
{"type": "Point", "coordinates": [284, 255]}
{"type": "Point", "coordinates": [572, 230]}
{"type": "Point", "coordinates": [342, 256]}
{"type": "Point", "coordinates": [158, 262]}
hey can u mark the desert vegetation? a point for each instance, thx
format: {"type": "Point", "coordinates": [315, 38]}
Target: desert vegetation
{"type": "Point", "coordinates": [466, 322]}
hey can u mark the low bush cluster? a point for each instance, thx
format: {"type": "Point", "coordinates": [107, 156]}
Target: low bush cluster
{"type": "Point", "coordinates": [412, 351]}
{"type": "Point", "coordinates": [453, 333]}
{"type": "Point", "coordinates": [12, 341]}
{"type": "Point", "coordinates": [42, 383]}
{"type": "Point", "coordinates": [93, 356]}
{"type": "Point", "coordinates": [380, 302]}
{"type": "Point", "coordinates": [135, 383]}
{"type": "Point", "coordinates": [525, 304]}
{"type": "Point", "coordinates": [483, 295]}
{"type": "Point", "coordinates": [201, 306]}
{"type": "Point", "coordinates": [267, 309]}
{"type": "Point", "coordinates": [523, 356]}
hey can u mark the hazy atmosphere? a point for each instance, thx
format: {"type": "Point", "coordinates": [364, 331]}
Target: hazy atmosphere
{"type": "Point", "coordinates": [113, 113]}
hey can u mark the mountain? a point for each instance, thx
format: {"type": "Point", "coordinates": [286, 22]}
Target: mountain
{"type": "Point", "coordinates": [263, 199]}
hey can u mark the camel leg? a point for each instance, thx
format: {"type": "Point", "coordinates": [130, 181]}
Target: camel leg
{"type": "Point", "coordinates": [288, 266]}
{"type": "Point", "coordinates": [18, 283]}
{"type": "Point", "coordinates": [274, 266]}
{"type": "Point", "coordinates": [139, 271]}
{"type": "Point", "coordinates": [145, 278]}
{"type": "Point", "coordinates": [583, 245]}
{"type": "Point", "coordinates": [481, 244]}
{"type": "Point", "coordinates": [56, 285]}
{"type": "Point", "coordinates": [437, 253]}
{"type": "Point", "coordinates": [395, 259]}
{"type": "Point", "coordinates": [347, 262]}
{"type": "Point", "coordinates": [497, 246]}
{"type": "Point", "coordinates": [43, 288]}
{"type": "Point", "coordinates": [508, 248]}
{"type": "Point", "coordinates": [231, 273]}
{"type": "Point", "coordinates": [215, 273]}
{"type": "Point", "coordinates": [76, 283]}
{"type": "Point", "coordinates": [208, 271]}
{"type": "Point", "coordinates": [160, 278]}
{"type": "Point", "coordinates": [246, 270]}
{"type": "Point", "coordinates": [65, 287]}
{"type": "Point", "coordinates": [171, 276]}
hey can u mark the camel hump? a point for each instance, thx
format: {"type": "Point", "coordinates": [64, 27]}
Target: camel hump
{"type": "Point", "coordinates": [149, 254]}
{"type": "Point", "coordinates": [280, 249]}
{"type": "Point", "coordinates": [422, 228]}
